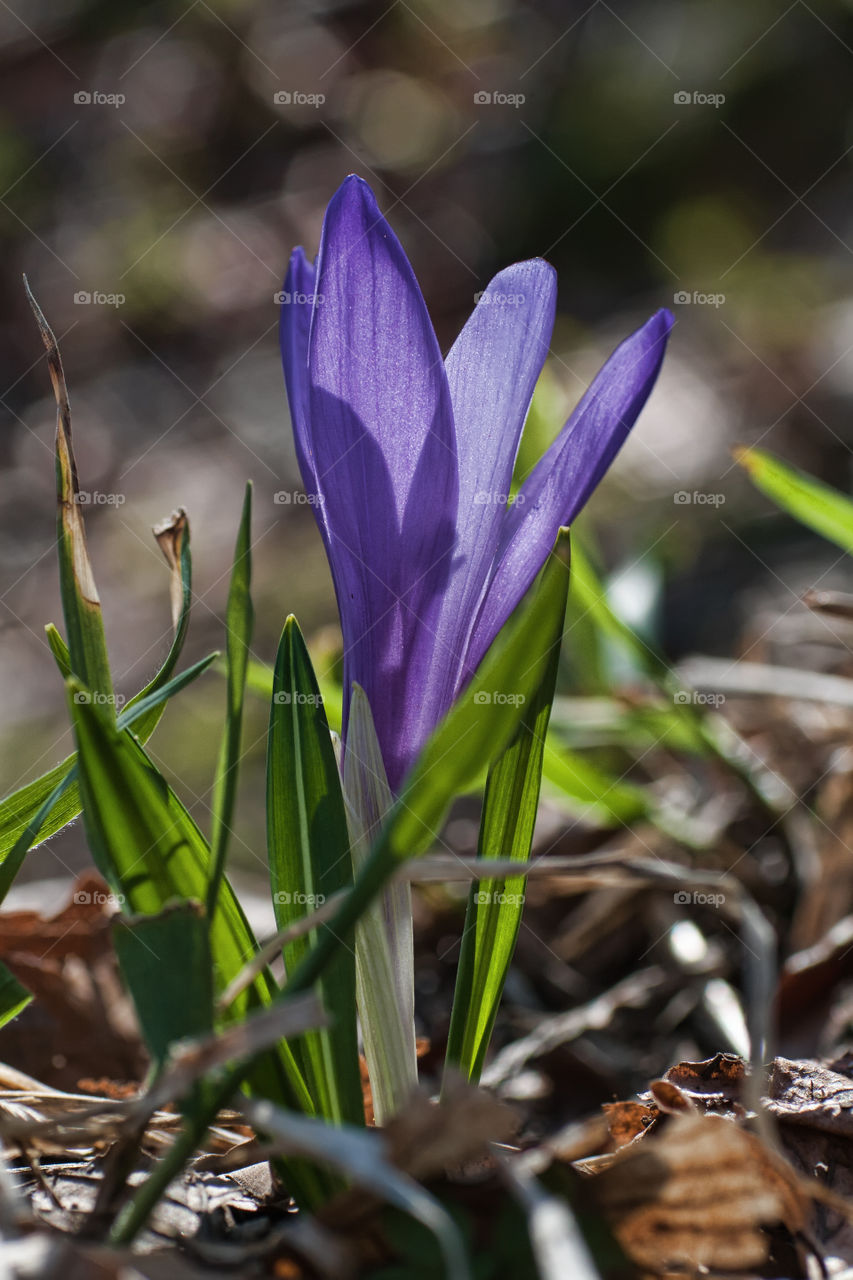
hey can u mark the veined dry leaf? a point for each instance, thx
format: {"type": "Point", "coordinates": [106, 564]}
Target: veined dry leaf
{"type": "Point", "coordinates": [807, 1093]}
{"type": "Point", "coordinates": [699, 1195]}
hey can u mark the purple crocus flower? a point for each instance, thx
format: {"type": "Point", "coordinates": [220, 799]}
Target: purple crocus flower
{"type": "Point", "coordinates": [408, 458]}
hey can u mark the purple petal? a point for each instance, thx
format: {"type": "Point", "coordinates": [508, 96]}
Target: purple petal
{"type": "Point", "coordinates": [294, 326]}
{"type": "Point", "coordinates": [566, 475]}
{"type": "Point", "coordinates": [492, 370]}
{"type": "Point", "coordinates": [383, 445]}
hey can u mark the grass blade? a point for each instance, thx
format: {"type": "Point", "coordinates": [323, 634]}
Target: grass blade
{"type": "Point", "coordinates": [309, 859]}
{"type": "Point", "coordinates": [493, 918]}
{"type": "Point", "coordinates": [824, 509]}
{"type": "Point", "coordinates": [13, 996]}
{"type": "Point", "coordinates": [59, 649]}
{"type": "Point", "coordinates": [591, 792]}
{"type": "Point", "coordinates": [239, 620]}
{"type": "Point", "coordinates": [81, 604]}
{"type": "Point", "coordinates": [259, 681]}
{"type": "Point", "coordinates": [152, 950]}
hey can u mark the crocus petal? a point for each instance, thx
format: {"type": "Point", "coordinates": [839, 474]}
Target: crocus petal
{"type": "Point", "coordinates": [383, 445]}
{"type": "Point", "coordinates": [492, 370]}
{"type": "Point", "coordinates": [566, 475]}
{"type": "Point", "coordinates": [294, 326]}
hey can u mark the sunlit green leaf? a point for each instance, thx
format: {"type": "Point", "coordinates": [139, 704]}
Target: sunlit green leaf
{"type": "Point", "coordinates": [592, 792]}
{"type": "Point", "coordinates": [309, 859]}
{"type": "Point", "coordinates": [239, 619]}
{"type": "Point", "coordinates": [826, 510]}
{"type": "Point", "coordinates": [493, 917]}
{"type": "Point", "coordinates": [152, 951]}
{"type": "Point", "coordinates": [13, 996]}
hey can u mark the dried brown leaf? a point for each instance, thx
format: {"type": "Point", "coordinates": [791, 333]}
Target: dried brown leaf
{"type": "Point", "coordinates": [699, 1195]}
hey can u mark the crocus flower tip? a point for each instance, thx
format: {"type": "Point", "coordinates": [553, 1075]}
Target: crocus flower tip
{"type": "Point", "coordinates": [666, 317]}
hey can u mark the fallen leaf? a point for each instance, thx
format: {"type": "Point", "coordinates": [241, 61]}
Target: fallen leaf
{"type": "Point", "coordinates": [698, 1195]}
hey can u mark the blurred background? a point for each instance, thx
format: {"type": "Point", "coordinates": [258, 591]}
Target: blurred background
{"type": "Point", "coordinates": [159, 161]}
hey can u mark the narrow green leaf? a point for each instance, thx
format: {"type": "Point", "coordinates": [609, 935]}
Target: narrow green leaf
{"type": "Point", "coordinates": [309, 859]}
{"type": "Point", "coordinates": [154, 950]}
{"type": "Point", "coordinates": [239, 619]}
{"type": "Point", "coordinates": [13, 996]}
{"type": "Point", "coordinates": [592, 792]}
{"type": "Point", "coordinates": [19, 809]}
{"type": "Point", "coordinates": [81, 605]}
{"type": "Point", "coordinates": [824, 509]}
{"type": "Point", "coordinates": [59, 649]}
{"type": "Point", "coordinates": [259, 681]}
{"type": "Point", "coordinates": [138, 713]}
{"type": "Point", "coordinates": [54, 799]}
{"type": "Point", "coordinates": [589, 592]}
{"type": "Point", "coordinates": [493, 918]}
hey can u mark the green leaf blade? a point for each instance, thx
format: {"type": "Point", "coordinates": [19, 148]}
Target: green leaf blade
{"type": "Point", "coordinates": [239, 624]}
{"type": "Point", "coordinates": [825, 510]}
{"type": "Point", "coordinates": [493, 918]}
{"type": "Point", "coordinates": [152, 950]}
{"type": "Point", "coordinates": [309, 857]}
